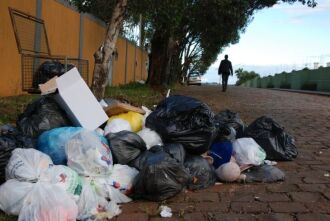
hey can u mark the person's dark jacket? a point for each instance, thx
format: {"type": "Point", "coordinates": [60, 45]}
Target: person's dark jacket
{"type": "Point", "coordinates": [225, 67]}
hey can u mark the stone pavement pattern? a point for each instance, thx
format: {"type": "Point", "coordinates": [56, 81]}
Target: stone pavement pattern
{"type": "Point", "coordinates": [303, 196]}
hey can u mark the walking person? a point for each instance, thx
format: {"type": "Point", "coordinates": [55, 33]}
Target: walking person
{"type": "Point", "coordinates": [225, 69]}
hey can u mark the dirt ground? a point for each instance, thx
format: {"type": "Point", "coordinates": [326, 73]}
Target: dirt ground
{"type": "Point", "coordinates": [303, 196]}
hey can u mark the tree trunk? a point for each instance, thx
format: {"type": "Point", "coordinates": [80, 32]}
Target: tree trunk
{"type": "Point", "coordinates": [158, 61]}
{"type": "Point", "coordinates": [103, 55]}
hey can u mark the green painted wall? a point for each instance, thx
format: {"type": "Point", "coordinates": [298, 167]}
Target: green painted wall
{"type": "Point", "coordinates": [297, 80]}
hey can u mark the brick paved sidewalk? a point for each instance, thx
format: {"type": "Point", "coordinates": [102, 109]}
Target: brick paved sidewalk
{"type": "Point", "coordinates": [303, 196]}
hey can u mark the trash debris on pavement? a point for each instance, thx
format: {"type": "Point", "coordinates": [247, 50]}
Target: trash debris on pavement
{"type": "Point", "coordinates": [246, 151]}
{"type": "Point", "coordinates": [12, 195]}
{"type": "Point", "coordinates": [180, 145]}
{"type": "Point", "coordinates": [161, 177]}
{"type": "Point", "coordinates": [263, 173]}
{"type": "Point", "coordinates": [92, 205]}
{"type": "Point", "coordinates": [228, 172]}
{"type": "Point", "coordinates": [221, 153]}
{"type": "Point", "coordinates": [184, 120]}
{"type": "Point", "coordinates": [125, 146]}
{"type": "Point", "coordinates": [278, 144]}
{"type": "Point", "coordinates": [122, 178]}
{"type": "Point", "coordinates": [11, 138]}
{"type": "Point", "coordinates": [119, 108]}
{"type": "Point", "coordinates": [53, 142]}
{"type": "Point", "coordinates": [27, 165]}
{"type": "Point", "coordinates": [41, 115]}
{"type": "Point", "coordinates": [75, 97]}
{"type": "Point", "coordinates": [88, 155]}
{"type": "Point", "coordinates": [48, 202]}
{"type": "Point", "coordinates": [165, 211]}
{"type": "Point", "coordinates": [225, 133]}
{"type": "Point", "coordinates": [134, 119]}
{"type": "Point", "coordinates": [48, 70]}
{"type": "Point", "coordinates": [150, 137]}
{"type": "Point", "coordinates": [230, 119]}
{"type": "Point", "coordinates": [117, 125]}
{"type": "Point", "coordinates": [201, 171]}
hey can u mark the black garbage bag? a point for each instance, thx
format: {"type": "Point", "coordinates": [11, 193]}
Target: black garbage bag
{"type": "Point", "coordinates": [161, 177]}
{"type": "Point", "coordinates": [48, 70]}
{"type": "Point", "coordinates": [278, 144]}
{"type": "Point", "coordinates": [125, 146]}
{"type": "Point", "coordinates": [41, 115]}
{"type": "Point", "coordinates": [174, 150]}
{"type": "Point", "coordinates": [230, 119]}
{"type": "Point", "coordinates": [225, 133]}
{"type": "Point", "coordinates": [184, 120]}
{"type": "Point", "coordinates": [10, 139]}
{"type": "Point", "coordinates": [264, 173]}
{"type": "Point", "coordinates": [202, 173]}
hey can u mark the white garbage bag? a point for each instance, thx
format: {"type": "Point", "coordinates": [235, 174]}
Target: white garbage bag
{"type": "Point", "coordinates": [105, 188]}
{"type": "Point", "coordinates": [87, 155]}
{"type": "Point", "coordinates": [92, 205]}
{"type": "Point", "coordinates": [247, 152]}
{"type": "Point", "coordinates": [12, 194]}
{"type": "Point", "coordinates": [27, 165]}
{"type": "Point", "coordinates": [64, 177]}
{"type": "Point", "coordinates": [48, 202]}
{"type": "Point", "coordinates": [150, 137]}
{"type": "Point", "coordinates": [117, 125]}
{"type": "Point", "coordinates": [148, 112]}
{"type": "Point", "coordinates": [122, 178]}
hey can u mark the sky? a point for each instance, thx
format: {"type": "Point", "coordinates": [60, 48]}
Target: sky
{"type": "Point", "coordinates": [281, 38]}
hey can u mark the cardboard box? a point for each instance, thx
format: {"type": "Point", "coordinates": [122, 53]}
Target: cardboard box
{"type": "Point", "coordinates": [75, 97]}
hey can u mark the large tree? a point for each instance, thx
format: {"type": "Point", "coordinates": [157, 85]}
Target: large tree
{"type": "Point", "coordinates": [186, 34]}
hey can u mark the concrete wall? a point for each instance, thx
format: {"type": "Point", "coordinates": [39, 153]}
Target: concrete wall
{"type": "Point", "coordinates": [295, 80]}
{"type": "Point", "coordinates": [70, 34]}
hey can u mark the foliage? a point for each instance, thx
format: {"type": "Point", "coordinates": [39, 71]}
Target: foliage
{"type": "Point", "coordinates": [244, 76]}
{"type": "Point", "coordinates": [185, 35]}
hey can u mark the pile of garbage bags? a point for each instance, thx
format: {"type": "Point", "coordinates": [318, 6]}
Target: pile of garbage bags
{"type": "Point", "coordinates": [56, 171]}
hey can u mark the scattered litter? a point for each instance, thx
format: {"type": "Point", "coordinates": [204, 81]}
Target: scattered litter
{"type": "Point", "coordinates": [268, 162]}
{"type": "Point", "coordinates": [165, 211]}
{"type": "Point", "coordinates": [327, 175]}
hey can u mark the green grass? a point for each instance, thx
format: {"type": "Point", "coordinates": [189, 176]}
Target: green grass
{"type": "Point", "coordinates": [136, 94]}
{"type": "Point", "coordinates": [11, 107]}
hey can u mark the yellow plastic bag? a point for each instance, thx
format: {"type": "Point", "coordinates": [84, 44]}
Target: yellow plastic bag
{"type": "Point", "coordinates": [133, 118]}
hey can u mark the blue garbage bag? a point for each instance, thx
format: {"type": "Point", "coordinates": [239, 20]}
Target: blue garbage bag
{"type": "Point", "coordinates": [53, 142]}
{"type": "Point", "coordinates": [221, 153]}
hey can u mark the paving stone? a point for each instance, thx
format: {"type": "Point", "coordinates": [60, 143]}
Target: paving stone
{"type": "Point", "coordinates": [203, 197]}
{"type": "Point", "coordinates": [312, 187]}
{"type": "Point", "coordinates": [287, 207]}
{"type": "Point", "coordinates": [313, 217]}
{"type": "Point", "coordinates": [272, 197]}
{"type": "Point", "coordinates": [139, 206]}
{"type": "Point", "coordinates": [275, 217]}
{"type": "Point", "coordinates": [163, 219]}
{"type": "Point", "coordinates": [234, 217]}
{"type": "Point", "coordinates": [319, 207]}
{"type": "Point", "coordinates": [133, 216]}
{"type": "Point", "coordinates": [316, 179]}
{"type": "Point", "coordinates": [194, 217]}
{"type": "Point", "coordinates": [305, 197]}
{"type": "Point", "coordinates": [212, 207]}
{"type": "Point", "coordinates": [246, 207]}
{"type": "Point", "coordinates": [182, 207]}
{"type": "Point", "coordinates": [282, 188]}
{"type": "Point", "coordinates": [327, 194]}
